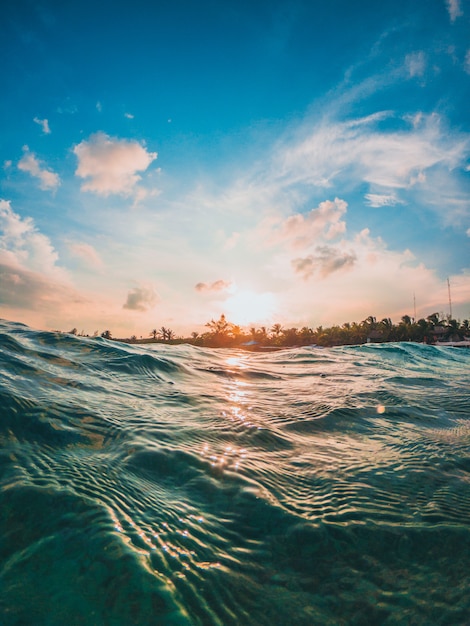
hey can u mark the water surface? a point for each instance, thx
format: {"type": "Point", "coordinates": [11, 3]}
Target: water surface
{"type": "Point", "coordinates": [177, 485]}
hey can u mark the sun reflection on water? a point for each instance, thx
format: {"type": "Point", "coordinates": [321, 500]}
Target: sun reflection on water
{"type": "Point", "coordinates": [230, 458]}
{"type": "Point", "coordinates": [236, 361]}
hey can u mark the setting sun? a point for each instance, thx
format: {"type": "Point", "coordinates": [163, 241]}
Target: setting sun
{"type": "Point", "coordinates": [248, 307]}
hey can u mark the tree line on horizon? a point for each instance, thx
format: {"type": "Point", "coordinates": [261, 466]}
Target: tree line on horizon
{"type": "Point", "coordinates": [223, 333]}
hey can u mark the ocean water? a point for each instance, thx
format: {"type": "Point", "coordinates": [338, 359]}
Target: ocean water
{"type": "Point", "coordinates": [178, 485]}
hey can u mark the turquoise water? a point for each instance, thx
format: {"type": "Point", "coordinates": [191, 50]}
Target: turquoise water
{"type": "Point", "coordinates": [179, 485]}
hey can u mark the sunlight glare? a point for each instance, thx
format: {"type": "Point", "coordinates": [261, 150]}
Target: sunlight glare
{"type": "Point", "coordinates": [236, 361]}
{"type": "Point", "coordinates": [248, 307]}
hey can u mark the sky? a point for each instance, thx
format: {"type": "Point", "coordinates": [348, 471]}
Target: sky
{"type": "Point", "coordinates": [303, 163]}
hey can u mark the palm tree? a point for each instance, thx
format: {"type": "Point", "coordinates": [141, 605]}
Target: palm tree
{"type": "Point", "coordinates": [357, 334]}
{"type": "Point", "coordinates": [370, 321]}
{"type": "Point", "coordinates": [220, 332]}
{"type": "Point", "coordinates": [422, 329]}
{"type": "Point", "coordinates": [290, 336]}
{"type": "Point", "coordinates": [306, 335]}
{"type": "Point", "coordinates": [236, 330]}
{"type": "Point", "coordinates": [433, 319]}
{"type": "Point", "coordinates": [220, 326]}
{"type": "Point", "coordinates": [453, 330]}
{"type": "Point", "coordinates": [386, 324]}
{"type": "Point", "coordinates": [154, 333]}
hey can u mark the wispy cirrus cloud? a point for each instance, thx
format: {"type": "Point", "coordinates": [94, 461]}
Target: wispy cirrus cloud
{"type": "Point", "coordinates": [390, 158]}
{"type": "Point", "coordinates": [87, 255]}
{"type": "Point", "coordinates": [467, 62]}
{"type": "Point", "coordinates": [379, 199]}
{"type": "Point", "coordinates": [415, 64]}
{"type": "Point", "coordinates": [29, 163]}
{"type": "Point", "coordinates": [360, 149]}
{"type": "Point", "coordinates": [418, 156]}
{"type": "Point", "coordinates": [109, 165]}
{"type": "Point", "coordinates": [141, 193]}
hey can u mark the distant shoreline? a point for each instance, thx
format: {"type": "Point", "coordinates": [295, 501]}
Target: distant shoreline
{"type": "Point", "coordinates": [221, 333]}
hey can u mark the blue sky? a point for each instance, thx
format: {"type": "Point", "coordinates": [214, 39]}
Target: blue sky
{"type": "Point", "coordinates": [304, 163]}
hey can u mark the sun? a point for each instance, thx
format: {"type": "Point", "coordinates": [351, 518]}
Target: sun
{"type": "Point", "coordinates": [248, 307]}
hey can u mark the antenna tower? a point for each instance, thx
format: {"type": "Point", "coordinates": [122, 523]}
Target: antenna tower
{"type": "Point", "coordinates": [450, 299]}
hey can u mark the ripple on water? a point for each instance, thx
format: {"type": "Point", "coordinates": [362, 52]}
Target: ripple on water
{"type": "Point", "coordinates": [179, 485]}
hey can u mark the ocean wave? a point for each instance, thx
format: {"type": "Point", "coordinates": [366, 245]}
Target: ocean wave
{"type": "Point", "coordinates": [182, 485]}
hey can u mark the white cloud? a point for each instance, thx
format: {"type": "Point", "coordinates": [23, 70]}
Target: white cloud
{"type": "Point", "coordinates": [30, 278]}
{"type": "Point", "coordinates": [27, 290]}
{"type": "Point", "coordinates": [218, 285]}
{"type": "Point", "coordinates": [141, 194]}
{"type": "Point", "coordinates": [44, 125]}
{"type": "Point", "coordinates": [22, 245]}
{"type": "Point", "coordinates": [378, 200]}
{"type": "Point", "coordinates": [301, 230]}
{"type": "Point", "coordinates": [37, 290]}
{"type": "Point", "coordinates": [359, 150]}
{"type": "Point", "coordinates": [31, 164]}
{"type": "Point", "coordinates": [453, 6]}
{"type": "Point", "coordinates": [129, 116]}
{"type": "Point", "coordinates": [326, 260]}
{"type": "Point", "coordinates": [360, 277]}
{"type": "Point", "coordinates": [416, 119]}
{"type": "Point", "coordinates": [140, 299]}
{"type": "Point", "coordinates": [99, 106]}
{"type": "Point", "coordinates": [87, 254]}
{"type": "Point", "coordinates": [110, 165]}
